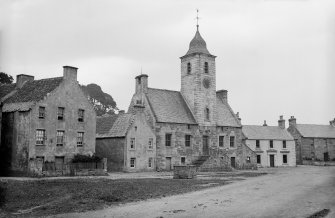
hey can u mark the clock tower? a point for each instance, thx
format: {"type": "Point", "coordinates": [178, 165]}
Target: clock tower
{"type": "Point", "coordinates": [198, 81]}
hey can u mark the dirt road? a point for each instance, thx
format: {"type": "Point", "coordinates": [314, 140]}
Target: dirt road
{"type": "Point", "coordinates": [293, 192]}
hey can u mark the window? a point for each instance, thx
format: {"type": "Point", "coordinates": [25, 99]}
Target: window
{"type": "Point", "coordinates": [60, 138]}
{"type": "Point", "coordinates": [151, 143]}
{"type": "Point", "coordinates": [221, 141]}
{"type": "Point", "coordinates": [284, 144]}
{"type": "Point", "coordinates": [40, 137]}
{"type": "Point", "coordinates": [207, 113]}
{"type": "Point", "coordinates": [188, 126]}
{"type": "Point", "coordinates": [259, 159]}
{"type": "Point", "coordinates": [132, 143]}
{"type": "Point", "coordinates": [150, 162]}
{"type": "Point", "coordinates": [257, 143]}
{"type": "Point", "coordinates": [232, 141]}
{"type": "Point", "coordinates": [168, 139]}
{"type": "Point", "coordinates": [80, 139]}
{"type": "Point", "coordinates": [132, 162]}
{"type": "Point", "coordinates": [189, 68]}
{"type": "Point", "coordinates": [248, 159]}
{"type": "Point", "coordinates": [138, 102]}
{"type": "Point", "coordinates": [60, 113]}
{"type": "Point", "coordinates": [285, 158]}
{"type": "Point", "coordinates": [271, 143]}
{"type": "Point", "coordinates": [206, 67]}
{"type": "Point", "coordinates": [81, 113]}
{"type": "Point", "coordinates": [41, 112]}
{"type": "Point", "coordinates": [187, 140]}
{"type": "Point", "coordinates": [40, 158]}
{"type": "Point", "coordinates": [182, 160]}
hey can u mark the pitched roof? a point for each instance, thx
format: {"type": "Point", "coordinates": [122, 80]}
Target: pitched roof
{"type": "Point", "coordinates": [266, 132]}
{"type": "Point", "coordinates": [169, 106]}
{"type": "Point", "coordinates": [225, 115]}
{"type": "Point", "coordinates": [5, 89]}
{"type": "Point", "coordinates": [114, 125]}
{"type": "Point", "coordinates": [35, 90]}
{"type": "Point", "coordinates": [316, 131]}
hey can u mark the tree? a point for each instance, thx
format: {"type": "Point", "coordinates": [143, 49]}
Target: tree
{"type": "Point", "coordinates": [5, 78]}
{"type": "Point", "coordinates": [102, 102]}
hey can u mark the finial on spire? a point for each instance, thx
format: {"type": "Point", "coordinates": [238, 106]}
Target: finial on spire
{"type": "Point", "coordinates": [197, 19]}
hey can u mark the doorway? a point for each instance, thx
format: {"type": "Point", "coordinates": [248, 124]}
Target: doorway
{"type": "Point", "coordinates": [272, 160]}
{"type": "Point", "coordinates": [326, 156]}
{"type": "Point", "coordinates": [232, 162]}
{"type": "Point", "coordinates": [205, 145]}
{"type": "Point", "coordinates": [168, 164]}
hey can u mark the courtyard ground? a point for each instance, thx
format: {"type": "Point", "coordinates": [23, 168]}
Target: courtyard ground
{"type": "Point", "coordinates": [285, 192]}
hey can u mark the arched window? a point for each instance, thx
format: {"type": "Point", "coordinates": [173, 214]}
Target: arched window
{"type": "Point", "coordinates": [206, 67]}
{"type": "Point", "coordinates": [189, 68]}
{"type": "Point", "coordinates": [207, 113]}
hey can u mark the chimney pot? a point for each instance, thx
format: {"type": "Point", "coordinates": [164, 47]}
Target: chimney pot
{"type": "Point", "coordinates": [141, 83]}
{"type": "Point", "coordinates": [265, 123]}
{"type": "Point", "coordinates": [281, 122]}
{"type": "Point", "coordinates": [70, 73]}
{"type": "Point", "coordinates": [292, 121]}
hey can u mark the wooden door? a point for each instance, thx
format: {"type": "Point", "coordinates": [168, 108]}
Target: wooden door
{"type": "Point", "coordinates": [168, 164]}
{"type": "Point", "coordinates": [232, 162]}
{"type": "Point", "coordinates": [205, 145]}
{"type": "Point", "coordinates": [59, 161]}
{"type": "Point", "coordinates": [272, 160]}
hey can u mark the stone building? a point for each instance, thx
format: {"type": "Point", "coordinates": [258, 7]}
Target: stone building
{"type": "Point", "coordinates": [273, 145]}
{"type": "Point", "coordinates": [196, 124]}
{"type": "Point", "coordinates": [46, 120]}
{"type": "Point", "coordinates": [127, 141]}
{"type": "Point", "coordinates": [313, 142]}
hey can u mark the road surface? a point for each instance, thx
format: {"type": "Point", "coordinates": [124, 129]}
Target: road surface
{"type": "Point", "coordinates": [288, 192]}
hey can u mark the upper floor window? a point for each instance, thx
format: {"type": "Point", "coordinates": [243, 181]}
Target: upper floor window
{"type": "Point", "coordinates": [151, 143]}
{"type": "Point", "coordinates": [187, 140]}
{"type": "Point", "coordinates": [284, 144]}
{"type": "Point", "coordinates": [182, 160]}
{"type": "Point", "coordinates": [40, 137]}
{"type": "Point", "coordinates": [232, 141]}
{"type": "Point", "coordinates": [41, 112]}
{"type": "Point", "coordinates": [207, 113]}
{"type": "Point", "coordinates": [257, 143]}
{"type": "Point", "coordinates": [221, 141]}
{"type": "Point", "coordinates": [206, 67]}
{"type": "Point", "coordinates": [271, 143]}
{"type": "Point", "coordinates": [60, 113]}
{"type": "Point", "coordinates": [81, 114]}
{"type": "Point", "coordinates": [132, 143]}
{"type": "Point", "coordinates": [80, 139]}
{"type": "Point", "coordinates": [60, 138]}
{"type": "Point", "coordinates": [189, 68]}
{"type": "Point", "coordinates": [132, 162]}
{"type": "Point", "coordinates": [168, 139]}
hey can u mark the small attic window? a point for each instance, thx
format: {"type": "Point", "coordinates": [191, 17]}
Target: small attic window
{"type": "Point", "coordinates": [206, 67]}
{"type": "Point", "coordinates": [189, 68]}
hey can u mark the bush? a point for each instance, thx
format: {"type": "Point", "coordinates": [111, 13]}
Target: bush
{"type": "Point", "coordinates": [79, 158]}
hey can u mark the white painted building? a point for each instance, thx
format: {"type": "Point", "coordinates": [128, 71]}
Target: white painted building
{"type": "Point", "coordinates": [274, 145]}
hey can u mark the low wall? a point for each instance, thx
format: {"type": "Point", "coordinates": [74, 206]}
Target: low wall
{"type": "Point", "coordinates": [318, 163]}
{"type": "Point", "coordinates": [184, 172]}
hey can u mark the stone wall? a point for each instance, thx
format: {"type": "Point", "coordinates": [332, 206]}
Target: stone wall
{"type": "Point", "coordinates": [113, 150]}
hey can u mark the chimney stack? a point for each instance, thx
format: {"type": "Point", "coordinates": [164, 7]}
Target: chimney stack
{"type": "Point", "coordinates": [238, 116]}
{"type": "Point", "coordinates": [264, 124]}
{"type": "Point", "coordinates": [292, 121]}
{"type": "Point", "coordinates": [281, 122]}
{"type": "Point", "coordinates": [70, 73]}
{"type": "Point", "coordinates": [21, 79]}
{"type": "Point", "coordinates": [141, 83]}
{"type": "Point", "coordinates": [332, 122]}
{"type": "Point", "coordinates": [223, 95]}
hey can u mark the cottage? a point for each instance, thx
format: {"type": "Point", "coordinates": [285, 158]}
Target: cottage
{"type": "Point", "coordinates": [127, 141]}
{"type": "Point", "coordinates": [45, 120]}
{"type": "Point", "coordinates": [273, 145]}
{"type": "Point", "coordinates": [313, 142]}
{"type": "Point", "coordinates": [195, 125]}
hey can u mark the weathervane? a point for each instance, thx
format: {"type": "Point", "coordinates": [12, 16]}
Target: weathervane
{"type": "Point", "coordinates": [197, 19]}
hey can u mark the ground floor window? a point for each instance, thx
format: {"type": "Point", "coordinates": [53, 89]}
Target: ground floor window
{"type": "Point", "coordinates": [132, 162]}
{"type": "Point", "coordinates": [150, 162]}
{"type": "Point", "coordinates": [259, 159]}
{"type": "Point", "coordinates": [248, 159]}
{"type": "Point", "coordinates": [285, 158]}
{"type": "Point", "coordinates": [183, 160]}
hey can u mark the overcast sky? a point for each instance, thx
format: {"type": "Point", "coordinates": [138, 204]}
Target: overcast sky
{"type": "Point", "coordinates": [275, 57]}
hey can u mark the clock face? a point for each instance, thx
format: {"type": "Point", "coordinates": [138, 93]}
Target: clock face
{"type": "Point", "coordinates": [206, 83]}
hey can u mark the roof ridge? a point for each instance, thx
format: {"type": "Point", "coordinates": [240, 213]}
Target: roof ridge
{"type": "Point", "coordinates": [164, 90]}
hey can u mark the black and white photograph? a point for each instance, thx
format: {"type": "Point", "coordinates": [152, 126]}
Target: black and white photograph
{"type": "Point", "coordinates": [167, 108]}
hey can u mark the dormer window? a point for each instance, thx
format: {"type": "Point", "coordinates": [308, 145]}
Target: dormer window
{"type": "Point", "coordinates": [206, 67]}
{"type": "Point", "coordinates": [189, 68]}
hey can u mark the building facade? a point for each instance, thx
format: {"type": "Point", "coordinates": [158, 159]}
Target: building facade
{"type": "Point", "coordinates": [49, 120]}
{"type": "Point", "coordinates": [313, 142]}
{"type": "Point", "coordinates": [274, 145]}
{"type": "Point", "coordinates": [127, 141]}
{"type": "Point", "coordinates": [197, 122]}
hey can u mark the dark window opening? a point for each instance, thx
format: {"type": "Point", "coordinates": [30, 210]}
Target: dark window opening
{"type": "Point", "coordinates": [248, 159]}
{"type": "Point", "coordinates": [207, 114]}
{"type": "Point", "coordinates": [60, 113]}
{"type": "Point", "coordinates": [189, 68]}
{"type": "Point", "coordinates": [258, 159]}
{"type": "Point", "coordinates": [168, 139]}
{"type": "Point", "coordinates": [232, 141]}
{"type": "Point", "coordinates": [285, 159]}
{"type": "Point", "coordinates": [187, 140]}
{"type": "Point", "coordinates": [206, 67]}
{"type": "Point", "coordinates": [284, 144]}
{"type": "Point", "coordinates": [41, 112]}
{"type": "Point", "coordinates": [257, 143]}
{"type": "Point", "coordinates": [221, 141]}
{"type": "Point", "coordinates": [81, 113]}
{"type": "Point", "coordinates": [271, 143]}
{"type": "Point", "coordinates": [183, 160]}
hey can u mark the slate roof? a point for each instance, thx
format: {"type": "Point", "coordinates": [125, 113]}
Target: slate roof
{"type": "Point", "coordinates": [114, 125]}
{"type": "Point", "coordinates": [225, 115]}
{"type": "Point", "coordinates": [197, 45]}
{"type": "Point", "coordinates": [266, 132]}
{"type": "Point", "coordinates": [5, 89]}
{"type": "Point", "coordinates": [35, 90]}
{"type": "Point", "coordinates": [316, 131]}
{"type": "Point", "coordinates": [169, 106]}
